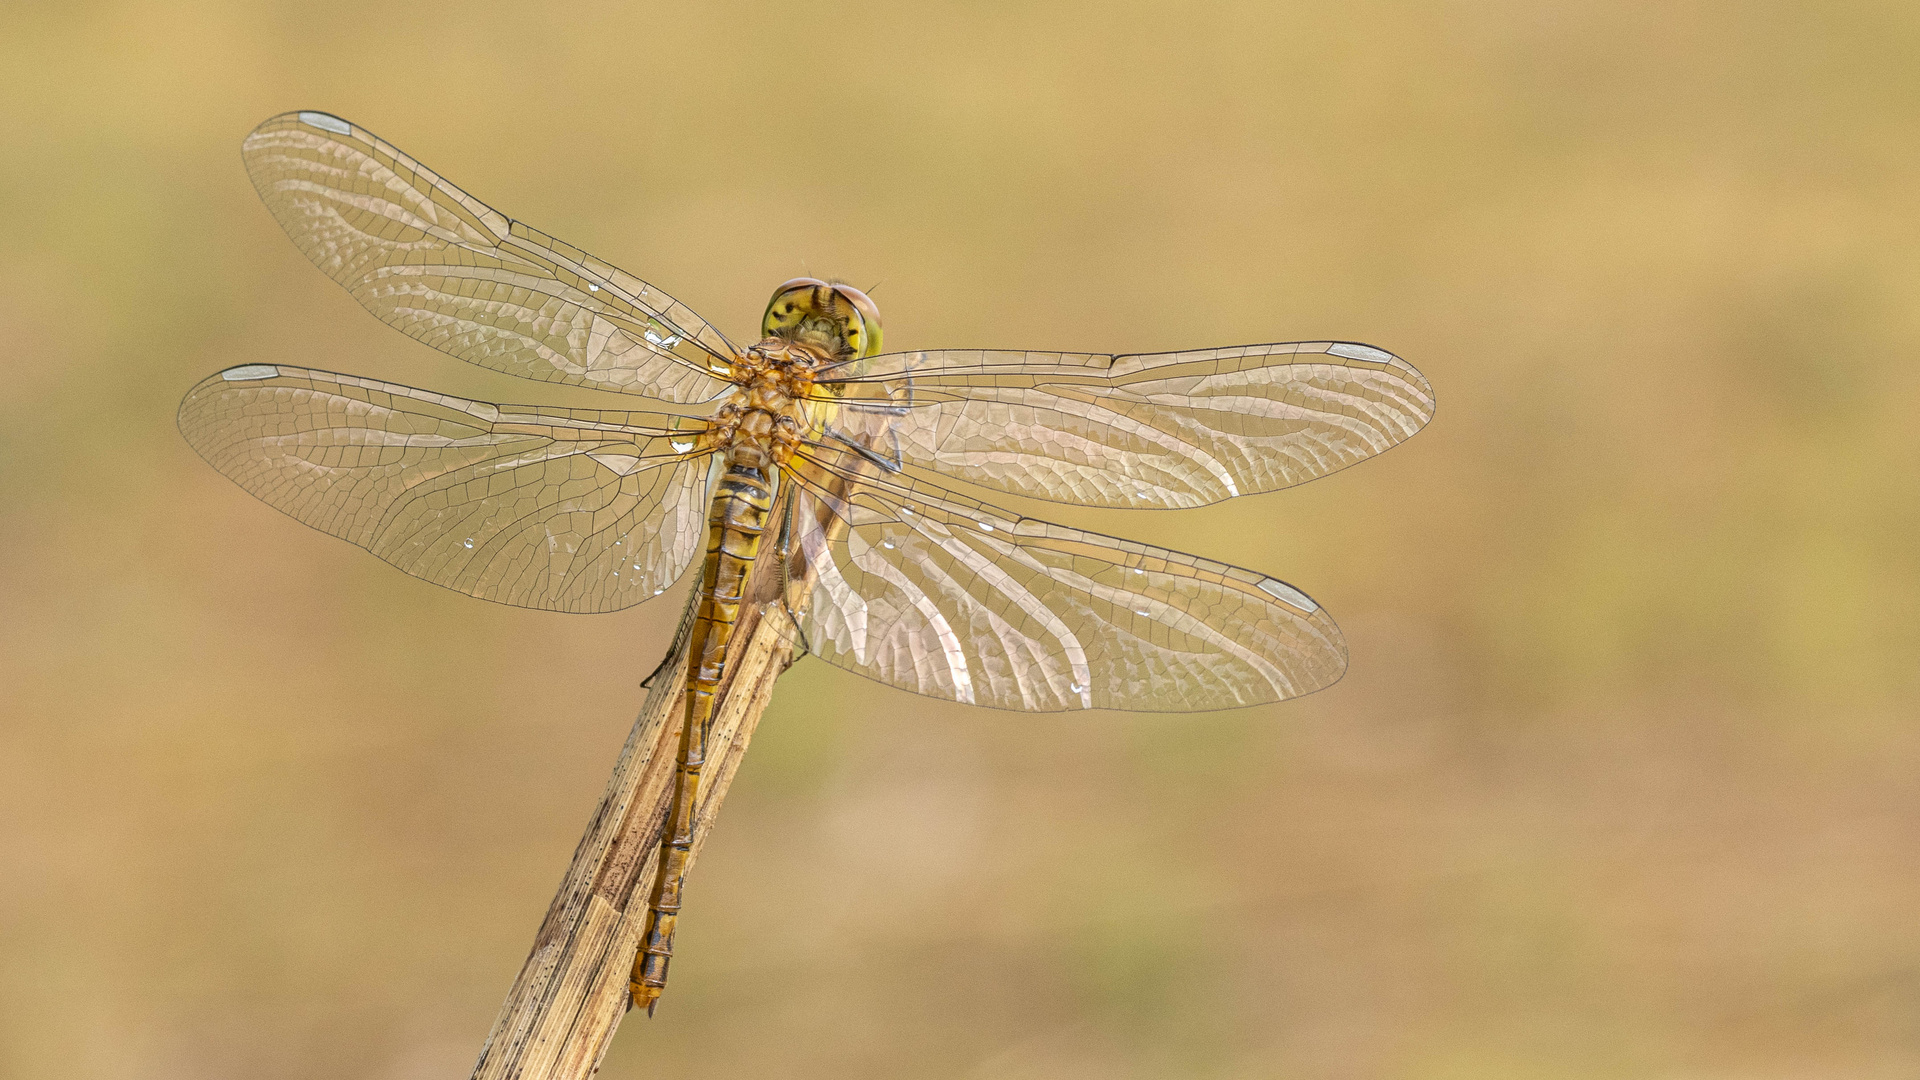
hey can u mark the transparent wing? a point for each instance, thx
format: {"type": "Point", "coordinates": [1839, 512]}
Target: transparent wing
{"type": "Point", "coordinates": [439, 265]}
{"type": "Point", "coordinates": [930, 592]}
{"type": "Point", "coordinates": [1151, 430]}
{"type": "Point", "coordinates": [566, 510]}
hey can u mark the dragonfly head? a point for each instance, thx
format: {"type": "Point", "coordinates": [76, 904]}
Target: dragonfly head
{"type": "Point", "coordinates": [837, 319]}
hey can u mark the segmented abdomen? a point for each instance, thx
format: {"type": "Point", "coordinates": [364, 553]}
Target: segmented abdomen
{"type": "Point", "coordinates": [737, 520]}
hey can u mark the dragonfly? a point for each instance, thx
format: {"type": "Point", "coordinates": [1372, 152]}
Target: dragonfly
{"type": "Point", "coordinates": [814, 452]}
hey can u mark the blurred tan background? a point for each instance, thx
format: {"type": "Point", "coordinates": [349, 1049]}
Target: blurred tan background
{"type": "Point", "coordinates": [1624, 780]}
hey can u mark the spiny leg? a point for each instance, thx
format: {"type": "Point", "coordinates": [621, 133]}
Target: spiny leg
{"type": "Point", "coordinates": [785, 552]}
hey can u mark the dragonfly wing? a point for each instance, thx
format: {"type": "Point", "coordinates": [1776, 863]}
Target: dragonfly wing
{"type": "Point", "coordinates": [1158, 430]}
{"type": "Point", "coordinates": [566, 510]}
{"type": "Point", "coordinates": [441, 266]}
{"type": "Point", "coordinates": [924, 590]}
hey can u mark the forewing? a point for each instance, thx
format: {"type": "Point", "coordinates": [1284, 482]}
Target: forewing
{"type": "Point", "coordinates": [439, 265]}
{"type": "Point", "coordinates": [927, 591]}
{"type": "Point", "coordinates": [566, 510]}
{"type": "Point", "coordinates": [1149, 430]}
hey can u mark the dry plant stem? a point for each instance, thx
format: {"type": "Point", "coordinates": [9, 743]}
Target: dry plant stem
{"type": "Point", "coordinates": [560, 1016]}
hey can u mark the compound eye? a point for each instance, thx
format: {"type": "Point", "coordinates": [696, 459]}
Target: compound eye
{"type": "Point", "coordinates": [863, 329]}
{"type": "Point", "coordinates": [789, 305]}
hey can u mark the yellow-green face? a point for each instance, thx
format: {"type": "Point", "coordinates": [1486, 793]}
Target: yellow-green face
{"type": "Point", "coordinates": [839, 320]}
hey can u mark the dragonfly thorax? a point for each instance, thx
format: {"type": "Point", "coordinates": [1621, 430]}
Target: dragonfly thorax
{"type": "Point", "coordinates": [762, 420]}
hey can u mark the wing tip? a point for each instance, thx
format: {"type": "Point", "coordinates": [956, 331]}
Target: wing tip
{"type": "Point", "coordinates": [1374, 354]}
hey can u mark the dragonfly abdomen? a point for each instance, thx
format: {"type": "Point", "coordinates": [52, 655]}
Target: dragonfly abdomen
{"type": "Point", "coordinates": [736, 521]}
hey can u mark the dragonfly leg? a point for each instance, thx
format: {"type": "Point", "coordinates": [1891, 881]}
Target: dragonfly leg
{"type": "Point", "coordinates": [805, 646]}
{"type": "Point", "coordinates": [786, 583]}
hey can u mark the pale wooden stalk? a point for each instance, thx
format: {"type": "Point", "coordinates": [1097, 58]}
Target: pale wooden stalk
{"type": "Point", "coordinates": [572, 993]}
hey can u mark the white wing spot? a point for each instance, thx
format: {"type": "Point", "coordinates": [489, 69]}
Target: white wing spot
{"type": "Point", "coordinates": [984, 527]}
{"type": "Point", "coordinates": [249, 372]}
{"type": "Point", "coordinates": [1361, 352]}
{"type": "Point", "coordinates": [469, 541]}
{"type": "Point", "coordinates": [1289, 594]}
{"type": "Point", "coordinates": [592, 287]}
{"type": "Point", "coordinates": [619, 463]}
{"type": "Point", "coordinates": [680, 447]}
{"type": "Point", "coordinates": [326, 123]}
